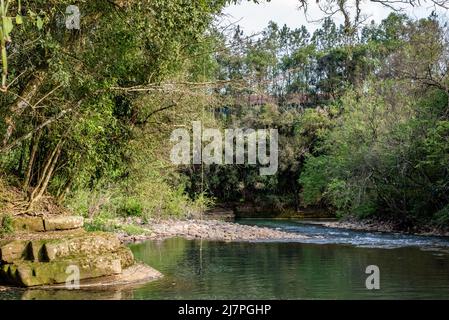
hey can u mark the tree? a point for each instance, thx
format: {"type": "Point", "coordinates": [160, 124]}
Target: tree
{"type": "Point", "coordinates": [70, 100]}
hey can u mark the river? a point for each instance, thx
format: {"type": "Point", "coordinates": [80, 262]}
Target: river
{"type": "Point", "coordinates": [329, 265]}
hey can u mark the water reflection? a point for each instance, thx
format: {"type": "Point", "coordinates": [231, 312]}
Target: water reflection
{"type": "Point", "coordinates": [290, 271]}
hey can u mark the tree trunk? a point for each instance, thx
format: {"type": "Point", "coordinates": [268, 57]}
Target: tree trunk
{"type": "Point", "coordinates": [48, 176]}
{"type": "Point", "coordinates": [50, 164]}
{"type": "Point", "coordinates": [35, 145]}
{"type": "Point", "coordinates": [19, 106]}
{"type": "Point", "coordinates": [65, 189]}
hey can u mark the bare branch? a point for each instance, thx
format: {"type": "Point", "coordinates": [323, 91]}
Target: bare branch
{"type": "Point", "coordinates": [38, 128]}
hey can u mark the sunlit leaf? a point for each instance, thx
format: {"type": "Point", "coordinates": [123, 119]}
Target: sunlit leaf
{"type": "Point", "coordinates": [19, 19]}
{"type": "Point", "coordinates": [39, 23]}
{"type": "Point", "coordinates": [7, 25]}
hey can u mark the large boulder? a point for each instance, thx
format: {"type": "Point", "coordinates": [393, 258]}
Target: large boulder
{"type": "Point", "coordinates": [91, 243]}
{"type": "Point", "coordinates": [52, 249]}
{"type": "Point", "coordinates": [30, 273]}
{"type": "Point", "coordinates": [45, 261]}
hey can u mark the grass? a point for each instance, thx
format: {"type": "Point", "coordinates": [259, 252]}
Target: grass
{"type": "Point", "coordinates": [102, 223]}
{"type": "Point", "coordinates": [6, 226]}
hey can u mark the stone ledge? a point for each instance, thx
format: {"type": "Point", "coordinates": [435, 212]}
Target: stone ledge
{"type": "Point", "coordinates": [46, 250]}
{"type": "Point", "coordinates": [12, 251]}
{"type": "Point", "coordinates": [63, 223]}
{"type": "Point", "coordinates": [138, 273]}
{"type": "Point", "coordinates": [46, 223]}
{"type": "Point", "coordinates": [27, 224]}
{"type": "Point", "coordinates": [89, 244]}
{"type": "Point", "coordinates": [29, 273]}
{"type": "Point", "coordinates": [104, 288]}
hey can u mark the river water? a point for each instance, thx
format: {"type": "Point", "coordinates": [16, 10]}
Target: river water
{"type": "Point", "coordinates": [329, 265]}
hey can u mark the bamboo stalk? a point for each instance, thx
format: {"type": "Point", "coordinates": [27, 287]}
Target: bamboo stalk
{"type": "Point", "coordinates": [3, 45]}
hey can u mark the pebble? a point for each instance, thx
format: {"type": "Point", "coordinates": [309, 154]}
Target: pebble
{"type": "Point", "coordinates": [211, 230]}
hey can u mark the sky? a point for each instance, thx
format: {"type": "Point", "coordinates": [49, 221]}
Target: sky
{"type": "Point", "coordinates": [254, 17]}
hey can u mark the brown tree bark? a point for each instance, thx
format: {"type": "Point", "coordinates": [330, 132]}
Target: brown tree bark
{"type": "Point", "coordinates": [47, 172]}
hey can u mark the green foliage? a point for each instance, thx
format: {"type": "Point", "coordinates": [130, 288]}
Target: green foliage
{"type": "Point", "coordinates": [314, 180]}
{"type": "Point", "coordinates": [107, 223]}
{"type": "Point", "coordinates": [133, 230]}
{"type": "Point", "coordinates": [6, 226]}
{"type": "Point", "coordinates": [362, 117]}
{"type": "Point", "coordinates": [112, 155]}
{"type": "Point", "coordinates": [131, 207]}
{"type": "Point", "coordinates": [382, 159]}
{"type": "Point", "coordinates": [203, 202]}
{"type": "Point", "coordinates": [441, 217]}
{"type": "Point", "coordinates": [354, 124]}
{"type": "Point", "coordinates": [100, 223]}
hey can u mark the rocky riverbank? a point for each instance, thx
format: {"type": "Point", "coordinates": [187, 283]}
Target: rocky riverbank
{"type": "Point", "coordinates": [377, 225]}
{"type": "Point", "coordinates": [42, 250]}
{"type": "Point", "coordinates": [208, 230]}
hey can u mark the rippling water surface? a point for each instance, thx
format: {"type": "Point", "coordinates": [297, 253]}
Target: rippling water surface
{"type": "Point", "coordinates": [324, 235]}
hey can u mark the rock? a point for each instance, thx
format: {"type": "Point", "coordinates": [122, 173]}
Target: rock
{"type": "Point", "coordinates": [8, 274]}
{"type": "Point", "coordinates": [49, 245]}
{"type": "Point", "coordinates": [219, 213]}
{"type": "Point", "coordinates": [126, 257]}
{"type": "Point", "coordinates": [63, 223]}
{"type": "Point", "coordinates": [27, 224]}
{"type": "Point", "coordinates": [92, 243]}
{"type": "Point", "coordinates": [217, 231]}
{"type": "Point", "coordinates": [13, 250]}
{"type": "Point", "coordinates": [103, 288]}
{"type": "Point", "coordinates": [52, 249]}
{"type": "Point", "coordinates": [45, 261]}
{"type": "Point", "coordinates": [30, 273]}
{"type": "Point", "coordinates": [36, 251]}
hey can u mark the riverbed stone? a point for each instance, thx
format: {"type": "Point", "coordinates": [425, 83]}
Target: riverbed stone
{"type": "Point", "coordinates": [54, 223]}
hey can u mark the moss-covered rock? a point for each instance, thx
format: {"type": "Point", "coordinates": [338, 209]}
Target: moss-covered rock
{"type": "Point", "coordinates": [8, 274]}
{"type": "Point", "coordinates": [46, 261]}
{"type": "Point", "coordinates": [31, 273]}
{"type": "Point", "coordinates": [46, 223]}
{"type": "Point", "coordinates": [36, 252]}
{"type": "Point", "coordinates": [92, 243]}
{"type": "Point", "coordinates": [13, 250]}
{"type": "Point", "coordinates": [27, 224]}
